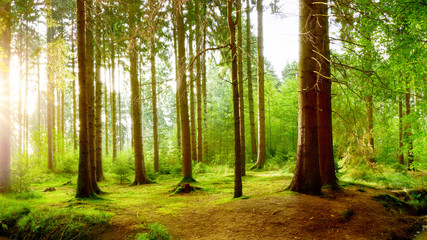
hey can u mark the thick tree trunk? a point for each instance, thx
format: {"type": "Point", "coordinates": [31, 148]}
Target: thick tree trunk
{"type": "Point", "coordinates": [91, 93]}
{"type": "Point", "coordinates": [198, 84]}
{"type": "Point", "coordinates": [140, 174]}
{"type": "Point", "coordinates": [240, 81]}
{"type": "Point", "coordinates": [84, 179]}
{"type": "Point", "coordinates": [324, 109]}
{"type": "Point", "coordinates": [192, 100]}
{"type": "Point", "coordinates": [262, 154]}
{"type": "Point", "coordinates": [401, 156]}
{"type": "Point", "coordinates": [370, 129]}
{"type": "Point", "coordinates": [182, 95]}
{"type": "Point", "coordinates": [235, 84]}
{"type": "Point", "coordinates": [98, 102]}
{"type": "Point", "coordinates": [250, 90]}
{"type": "Point", "coordinates": [5, 126]}
{"type": "Point", "coordinates": [307, 177]}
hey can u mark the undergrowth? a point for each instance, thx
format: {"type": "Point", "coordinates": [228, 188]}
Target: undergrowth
{"type": "Point", "coordinates": [156, 232]}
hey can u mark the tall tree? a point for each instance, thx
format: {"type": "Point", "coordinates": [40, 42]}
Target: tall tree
{"type": "Point", "coordinates": [250, 89]}
{"type": "Point", "coordinates": [113, 95]}
{"type": "Point", "coordinates": [84, 179]}
{"type": "Point", "coordinates": [324, 112]}
{"type": "Point", "coordinates": [307, 177]}
{"type": "Point", "coordinates": [153, 30]}
{"type": "Point", "coordinates": [240, 82]}
{"type": "Point", "coordinates": [191, 87]}
{"type": "Point", "coordinates": [140, 174]}
{"type": "Point", "coordinates": [235, 84]}
{"type": "Point", "coordinates": [178, 118]}
{"type": "Point", "coordinates": [408, 132]}
{"type": "Point", "coordinates": [50, 94]}
{"type": "Point", "coordinates": [182, 94]}
{"type": "Point", "coordinates": [262, 154]}
{"type": "Point", "coordinates": [370, 128]}
{"type": "Point", "coordinates": [401, 156]}
{"type": "Point", "coordinates": [198, 83]}
{"type": "Point", "coordinates": [5, 129]}
{"type": "Point", "coordinates": [98, 102]}
{"type": "Point", "coordinates": [73, 61]}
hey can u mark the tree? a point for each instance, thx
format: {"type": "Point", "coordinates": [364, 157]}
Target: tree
{"type": "Point", "coordinates": [198, 83]}
{"type": "Point", "coordinates": [50, 96]}
{"type": "Point", "coordinates": [307, 178]}
{"type": "Point", "coordinates": [262, 154]}
{"type": "Point", "coordinates": [5, 129]}
{"type": "Point", "coordinates": [240, 82]}
{"type": "Point", "coordinates": [191, 87]}
{"type": "Point", "coordinates": [187, 171]}
{"type": "Point", "coordinates": [84, 179]}
{"type": "Point", "coordinates": [249, 76]}
{"type": "Point", "coordinates": [235, 85]}
{"type": "Point", "coordinates": [140, 174]}
{"type": "Point", "coordinates": [324, 112]}
{"type": "Point", "coordinates": [98, 102]}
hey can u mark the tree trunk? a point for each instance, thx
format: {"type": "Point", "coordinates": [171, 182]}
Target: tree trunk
{"type": "Point", "coordinates": [198, 84]}
{"type": "Point", "coordinates": [105, 96]}
{"type": "Point", "coordinates": [192, 100]}
{"type": "Point", "coordinates": [178, 124]}
{"type": "Point", "coordinates": [74, 90]}
{"type": "Point", "coordinates": [91, 93]}
{"type": "Point", "coordinates": [370, 129]}
{"type": "Point", "coordinates": [235, 84]}
{"type": "Point", "coordinates": [324, 109]}
{"type": "Point", "coordinates": [262, 154]}
{"type": "Point", "coordinates": [113, 98]}
{"type": "Point", "coordinates": [140, 174]}
{"type": "Point", "coordinates": [98, 102]}
{"type": "Point", "coordinates": [250, 90]}
{"type": "Point", "coordinates": [204, 97]}
{"type": "Point", "coordinates": [182, 95]}
{"type": "Point", "coordinates": [408, 127]}
{"type": "Point", "coordinates": [84, 180]}
{"type": "Point", "coordinates": [307, 177]}
{"type": "Point", "coordinates": [50, 99]}
{"type": "Point", "coordinates": [5, 126]}
{"type": "Point", "coordinates": [401, 157]}
{"type": "Point", "coordinates": [153, 88]}
{"type": "Point", "coordinates": [240, 82]}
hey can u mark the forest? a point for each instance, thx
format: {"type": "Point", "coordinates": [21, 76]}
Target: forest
{"type": "Point", "coordinates": [169, 119]}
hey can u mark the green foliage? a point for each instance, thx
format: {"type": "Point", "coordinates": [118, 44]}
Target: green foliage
{"type": "Point", "coordinates": [21, 174]}
{"type": "Point", "coordinates": [122, 169]}
{"type": "Point", "coordinates": [156, 232]}
{"type": "Point", "coordinates": [26, 195]}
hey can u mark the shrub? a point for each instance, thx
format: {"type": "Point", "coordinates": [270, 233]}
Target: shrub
{"type": "Point", "coordinates": [156, 232]}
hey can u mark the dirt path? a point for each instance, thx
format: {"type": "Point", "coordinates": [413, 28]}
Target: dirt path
{"type": "Point", "coordinates": [348, 215]}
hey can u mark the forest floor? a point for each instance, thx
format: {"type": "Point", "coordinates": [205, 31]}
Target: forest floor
{"type": "Point", "coordinates": [266, 212]}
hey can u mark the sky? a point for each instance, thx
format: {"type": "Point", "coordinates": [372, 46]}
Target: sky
{"type": "Point", "coordinates": [280, 34]}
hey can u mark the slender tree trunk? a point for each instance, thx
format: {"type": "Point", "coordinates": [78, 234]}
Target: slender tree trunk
{"type": "Point", "coordinates": [140, 174]}
{"type": "Point", "coordinates": [178, 118]}
{"type": "Point", "coordinates": [408, 127]}
{"type": "Point", "coordinates": [98, 108]}
{"type": "Point", "coordinates": [204, 98]}
{"type": "Point", "coordinates": [401, 156]}
{"type": "Point", "coordinates": [182, 95]}
{"type": "Point", "coordinates": [20, 52]}
{"type": "Point", "coordinates": [105, 96]}
{"type": "Point", "coordinates": [84, 180]}
{"type": "Point", "coordinates": [113, 98]}
{"type": "Point", "coordinates": [307, 177]}
{"type": "Point", "coordinates": [370, 129]}
{"type": "Point", "coordinates": [39, 95]}
{"type": "Point", "coordinates": [198, 84]}
{"type": "Point", "coordinates": [234, 82]}
{"type": "Point", "coordinates": [250, 90]}
{"type": "Point", "coordinates": [50, 100]}
{"type": "Point", "coordinates": [119, 101]}
{"type": "Point", "coordinates": [153, 88]}
{"type": "Point", "coordinates": [27, 63]}
{"type": "Point", "coordinates": [91, 93]}
{"type": "Point", "coordinates": [5, 126]}
{"type": "Point", "coordinates": [262, 154]}
{"type": "Point", "coordinates": [74, 90]}
{"type": "Point", "coordinates": [324, 112]}
{"type": "Point", "coordinates": [192, 100]}
{"type": "Point", "coordinates": [240, 81]}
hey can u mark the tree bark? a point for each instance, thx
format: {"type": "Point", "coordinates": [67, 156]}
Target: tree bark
{"type": "Point", "coordinates": [198, 84]}
{"type": "Point", "coordinates": [5, 126]}
{"type": "Point", "coordinates": [408, 127]}
{"type": "Point", "coordinates": [240, 83]}
{"type": "Point", "coordinates": [98, 102]}
{"type": "Point", "coordinates": [140, 174]}
{"type": "Point", "coordinates": [307, 177]}
{"type": "Point", "coordinates": [262, 154]}
{"type": "Point", "coordinates": [84, 179]}
{"type": "Point", "coordinates": [324, 109]}
{"type": "Point", "coordinates": [105, 96]}
{"type": "Point", "coordinates": [401, 156]}
{"type": "Point", "coordinates": [182, 95]}
{"type": "Point", "coordinates": [370, 129]}
{"type": "Point", "coordinates": [50, 101]}
{"type": "Point", "coordinates": [204, 97]}
{"type": "Point", "coordinates": [178, 118]}
{"type": "Point", "coordinates": [250, 89]}
{"type": "Point", "coordinates": [192, 100]}
{"type": "Point", "coordinates": [153, 88]}
{"type": "Point", "coordinates": [113, 97]}
{"type": "Point", "coordinates": [235, 84]}
{"type": "Point", "coordinates": [74, 90]}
